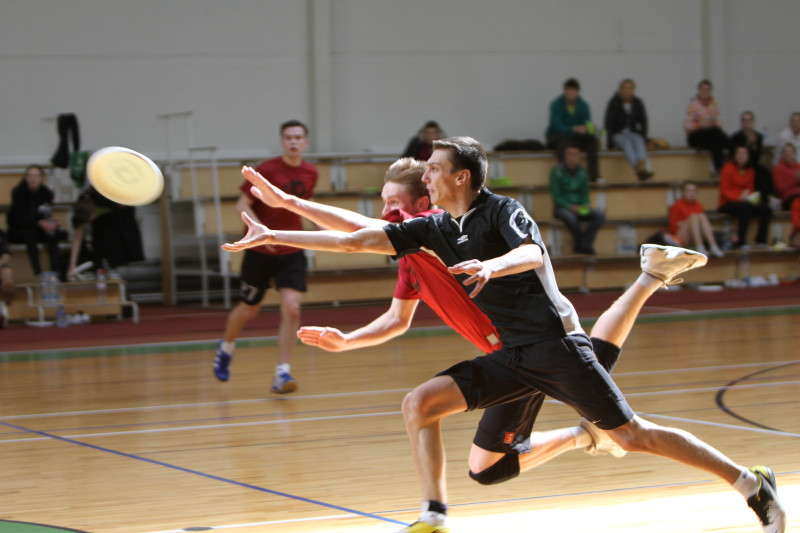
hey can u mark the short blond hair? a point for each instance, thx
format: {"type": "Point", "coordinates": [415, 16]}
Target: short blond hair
{"type": "Point", "coordinates": [408, 172]}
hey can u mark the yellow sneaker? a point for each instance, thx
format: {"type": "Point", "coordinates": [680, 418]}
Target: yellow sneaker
{"type": "Point", "coordinates": [424, 527]}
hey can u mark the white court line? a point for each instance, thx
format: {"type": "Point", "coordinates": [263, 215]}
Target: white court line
{"type": "Point", "coordinates": [720, 425]}
{"type": "Point", "coordinates": [269, 523]}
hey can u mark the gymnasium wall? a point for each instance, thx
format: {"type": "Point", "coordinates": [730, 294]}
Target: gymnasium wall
{"type": "Point", "coordinates": [367, 73]}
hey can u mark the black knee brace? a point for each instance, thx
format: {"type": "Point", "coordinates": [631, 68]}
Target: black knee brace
{"type": "Point", "coordinates": [503, 470]}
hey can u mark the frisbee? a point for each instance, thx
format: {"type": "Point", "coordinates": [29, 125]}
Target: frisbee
{"type": "Point", "coordinates": [124, 176]}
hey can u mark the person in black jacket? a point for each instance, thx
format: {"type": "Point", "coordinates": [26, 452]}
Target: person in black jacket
{"type": "Point", "coordinates": [420, 146]}
{"type": "Point", "coordinates": [626, 124]}
{"type": "Point", "coordinates": [30, 218]}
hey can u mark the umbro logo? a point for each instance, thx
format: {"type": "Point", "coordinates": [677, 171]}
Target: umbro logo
{"type": "Point", "coordinates": [462, 239]}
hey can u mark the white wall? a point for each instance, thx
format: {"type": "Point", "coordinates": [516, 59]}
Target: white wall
{"type": "Point", "coordinates": [486, 69]}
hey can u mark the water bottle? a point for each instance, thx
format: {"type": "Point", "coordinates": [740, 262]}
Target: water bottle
{"type": "Point", "coordinates": [48, 284]}
{"type": "Point", "coordinates": [61, 317]}
{"type": "Point", "coordinates": [101, 286]}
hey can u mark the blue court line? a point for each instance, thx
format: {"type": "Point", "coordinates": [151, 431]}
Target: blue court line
{"type": "Point", "coordinates": [205, 475]}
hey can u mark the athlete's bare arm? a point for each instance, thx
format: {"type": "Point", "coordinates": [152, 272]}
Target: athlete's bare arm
{"type": "Point", "coordinates": [527, 256]}
{"type": "Point", "coordinates": [324, 216]}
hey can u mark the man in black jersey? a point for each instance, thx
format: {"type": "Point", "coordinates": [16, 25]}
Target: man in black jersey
{"type": "Point", "coordinates": [490, 242]}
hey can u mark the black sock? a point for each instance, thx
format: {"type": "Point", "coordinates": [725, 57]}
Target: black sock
{"type": "Point", "coordinates": [437, 507]}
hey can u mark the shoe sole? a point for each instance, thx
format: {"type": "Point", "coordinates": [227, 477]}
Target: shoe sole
{"type": "Point", "coordinates": [289, 386]}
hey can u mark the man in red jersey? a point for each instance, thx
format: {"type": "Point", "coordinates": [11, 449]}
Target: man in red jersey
{"type": "Point", "coordinates": [284, 266]}
{"type": "Point", "coordinates": [504, 428]}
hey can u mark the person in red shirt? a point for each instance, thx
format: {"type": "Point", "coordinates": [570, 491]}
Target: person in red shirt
{"type": "Point", "coordinates": [284, 266]}
{"type": "Point", "coordinates": [786, 176]}
{"type": "Point", "coordinates": [689, 223]}
{"type": "Point", "coordinates": [422, 276]}
{"type": "Point", "coordinates": [794, 241]}
{"type": "Point", "coordinates": [737, 198]}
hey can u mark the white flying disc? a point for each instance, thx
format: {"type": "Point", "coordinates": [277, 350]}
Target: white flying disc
{"type": "Point", "coordinates": [124, 176]}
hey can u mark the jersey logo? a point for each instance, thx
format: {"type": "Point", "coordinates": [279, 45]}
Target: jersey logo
{"type": "Point", "coordinates": [462, 239]}
{"type": "Point", "coordinates": [521, 222]}
{"type": "Point", "coordinates": [509, 437]}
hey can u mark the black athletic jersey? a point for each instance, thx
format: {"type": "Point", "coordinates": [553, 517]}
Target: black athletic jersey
{"type": "Point", "coordinates": [524, 308]}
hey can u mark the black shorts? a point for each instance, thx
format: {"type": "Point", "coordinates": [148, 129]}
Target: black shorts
{"type": "Point", "coordinates": [510, 385]}
{"type": "Point", "coordinates": [258, 270]}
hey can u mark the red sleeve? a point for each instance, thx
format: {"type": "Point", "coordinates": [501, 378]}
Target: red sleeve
{"type": "Point", "coordinates": [796, 215]}
{"type": "Point", "coordinates": [728, 190]}
{"type": "Point", "coordinates": [406, 288]}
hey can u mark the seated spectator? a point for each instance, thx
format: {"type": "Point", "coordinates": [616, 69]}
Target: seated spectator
{"type": "Point", "coordinates": [704, 127]}
{"type": "Point", "coordinates": [790, 134]}
{"type": "Point", "coordinates": [794, 241]}
{"type": "Point", "coordinates": [754, 141]}
{"type": "Point", "coordinates": [420, 146]}
{"type": "Point", "coordinates": [569, 186]}
{"type": "Point", "coordinates": [30, 218]}
{"type": "Point", "coordinates": [626, 125]}
{"type": "Point", "coordinates": [737, 198]}
{"type": "Point", "coordinates": [786, 176]}
{"type": "Point", "coordinates": [689, 223]}
{"type": "Point", "coordinates": [115, 236]}
{"type": "Point", "coordinates": [6, 273]}
{"type": "Point", "coordinates": [571, 123]}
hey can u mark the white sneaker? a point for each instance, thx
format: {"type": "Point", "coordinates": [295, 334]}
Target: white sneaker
{"type": "Point", "coordinates": [666, 262]}
{"type": "Point", "coordinates": [717, 252]}
{"type": "Point", "coordinates": [602, 444]}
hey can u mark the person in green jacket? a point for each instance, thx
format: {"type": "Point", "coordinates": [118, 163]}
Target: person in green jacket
{"type": "Point", "coordinates": [569, 186]}
{"type": "Point", "coordinates": [571, 122]}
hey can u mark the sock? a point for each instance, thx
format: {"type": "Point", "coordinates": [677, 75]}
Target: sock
{"type": "Point", "coordinates": [649, 281]}
{"type": "Point", "coordinates": [433, 513]}
{"type": "Point", "coordinates": [282, 368]}
{"type": "Point", "coordinates": [747, 484]}
{"type": "Point", "coordinates": [228, 347]}
{"type": "Point", "coordinates": [581, 436]}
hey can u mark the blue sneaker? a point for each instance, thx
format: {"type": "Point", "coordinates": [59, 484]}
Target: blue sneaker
{"type": "Point", "coordinates": [284, 383]}
{"type": "Point", "coordinates": [221, 363]}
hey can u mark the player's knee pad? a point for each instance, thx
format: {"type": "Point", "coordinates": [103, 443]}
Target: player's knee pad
{"type": "Point", "coordinates": [503, 470]}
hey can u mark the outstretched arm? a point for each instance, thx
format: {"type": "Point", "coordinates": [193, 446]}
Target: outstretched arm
{"type": "Point", "coordinates": [525, 257]}
{"type": "Point", "coordinates": [325, 216]}
{"type": "Point", "coordinates": [395, 321]}
{"type": "Point", "coordinates": [371, 240]}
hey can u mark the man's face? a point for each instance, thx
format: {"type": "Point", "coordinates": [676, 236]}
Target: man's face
{"type": "Point", "coordinates": [440, 177]}
{"type": "Point", "coordinates": [396, 196]}
{"type": "Point", "coordinates": [294, 141]}
{"type": "Point", "coordinates": [626, 91]}
{"type": "Point", "coordinates": [571, 94]}
{"type": "Point", "coordinates": [747, 121]}
{"type": "Point", "coordinates": [788, 153]}
{"type": "Point", "coordinates": [572, 157]}
{"type": "Point", "coordinates": [431, 134]}
{"type": "Point", "coordinates": [794, 123]}
{"type": "Point", "coordinates": [33, 178]}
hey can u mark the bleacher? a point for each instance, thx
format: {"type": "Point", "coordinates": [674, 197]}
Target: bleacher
{"type": "Point", "coordinates": [354, 181]}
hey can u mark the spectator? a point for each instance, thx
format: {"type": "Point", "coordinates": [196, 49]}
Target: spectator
{"type": "Point", "coordinates": [283, 267]}
{"type": "Point", "coordinates": [571, 123]}
{"type": "Point", "coordinates": [790, 134]}
{"type": "Point", "coordinates": [626, 126]}
{"type": "Point", "coordinates": [703, 125]}
{"type": "Point", "coordinates": [30, 218]}
{"type": "Point", "coordinates": [115, 236]}
{"type": "Point", "coordinates": [420, 146]}
{"type": "Point", "coordinates": [736, 198]}
{"type": "Point", "coordinates": [689, 223]}
{"type": "Point", "coordinates": [786, 176]}
{"type": "Point", "coordinates": [569, 186]}
{"type": "Point", "coordinates": [754, 141]}
{"type": "Point", "coordinates": [6, 273]}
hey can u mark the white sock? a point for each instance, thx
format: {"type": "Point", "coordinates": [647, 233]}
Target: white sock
{"type": "Point", "coordinates": [581, 436]}
{"type": "Point", "coordinates": [747, 484]}
{"type": "Point", "coordinates": [649, 281]}
{"type": "Point", "coordinates": [228, 347]}
{"type": "Point", "coordinates": [281, 368]}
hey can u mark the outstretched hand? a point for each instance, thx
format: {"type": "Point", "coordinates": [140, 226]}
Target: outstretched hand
{"type": "Point", "coordinates": [257, 235]}
{"type": "Point", "coordinates": [330, 339]}
{"type": "Point", "coordinates": [479, 272]}
{"type": "Point", "coordinates": [263, 189]}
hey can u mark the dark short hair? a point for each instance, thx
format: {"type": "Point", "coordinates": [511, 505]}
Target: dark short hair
{"type": "Point", "coordinates": [573, 83]}
{"type": "Point", "coordinates": [705, 82]}
{"type": "Point", "coordinates": [293, 123]}
{"type": "Point", "coordinates": [40, 168]}
{"type": "Point", "coordinates": [465, 153]}
{"type": "Point", "coordinates": [431, 124]}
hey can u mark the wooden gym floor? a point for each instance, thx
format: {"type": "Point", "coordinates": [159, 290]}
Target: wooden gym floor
{"type": "Point", "coordinates": [143, 439]}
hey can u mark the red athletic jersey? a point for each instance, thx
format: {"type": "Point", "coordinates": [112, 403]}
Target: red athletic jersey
{"type": "Point", "coordinates": [298, 181]}
{"type": "Point", "coordinates": [422, 276]}
{"type": "Point", "coordinates": [680, 211]}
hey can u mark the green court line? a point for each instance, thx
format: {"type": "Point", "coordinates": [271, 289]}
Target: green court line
{"type": "Point", "coordinates": [210, 345]}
